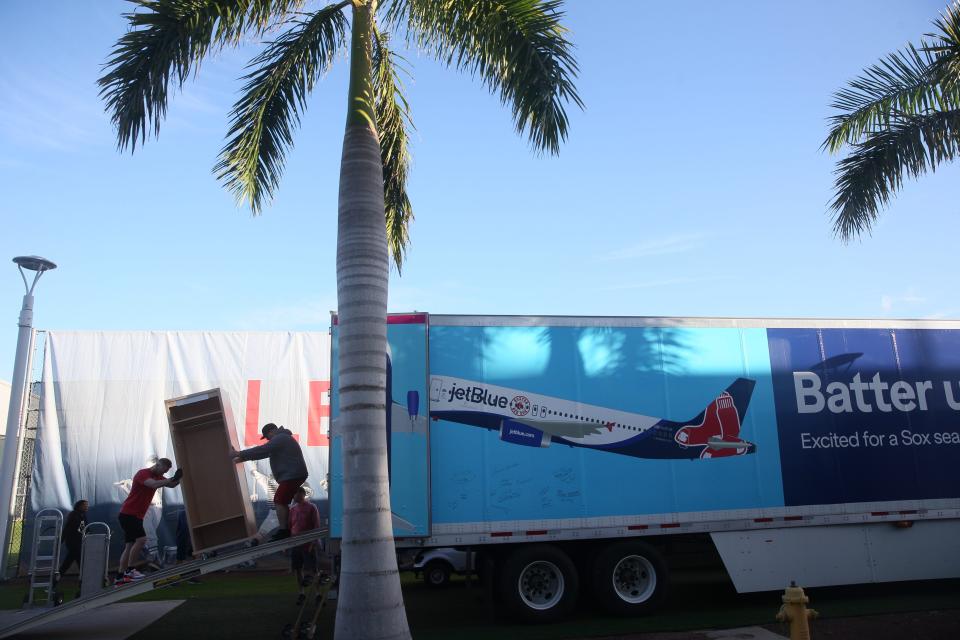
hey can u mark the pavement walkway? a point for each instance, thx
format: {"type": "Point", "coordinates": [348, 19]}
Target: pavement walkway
{"type": "Point", "coordinates": [112, 622]}
{"type": "Point", "coordinates": [742, 633]}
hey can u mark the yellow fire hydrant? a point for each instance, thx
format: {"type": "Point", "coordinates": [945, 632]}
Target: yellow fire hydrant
{"type": "Point", "coordinates": [794, 610]}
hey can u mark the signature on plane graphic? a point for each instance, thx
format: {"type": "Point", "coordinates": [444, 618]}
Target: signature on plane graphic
{"type": "Point", "coordinates": [535, 420]}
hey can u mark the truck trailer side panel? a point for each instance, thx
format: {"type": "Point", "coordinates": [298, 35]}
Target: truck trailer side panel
{"type": "Point", "coordinates": [588, 428]}
{"type": "Point", "coordinates": [610, 404]}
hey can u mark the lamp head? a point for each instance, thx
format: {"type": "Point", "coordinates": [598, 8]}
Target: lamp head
{"type": "Point", "coordinates": [35, 263]}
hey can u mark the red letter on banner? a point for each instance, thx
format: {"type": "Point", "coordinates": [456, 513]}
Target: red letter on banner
{"type": "Point", "coordinates": [251, 432]}
{"type": "Point", "coordinates": [318, 409]}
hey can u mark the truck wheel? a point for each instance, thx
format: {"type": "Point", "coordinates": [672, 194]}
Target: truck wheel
{"type": "Point", "coordinates": [436, 573]}
{"type": "Point", "coordinates": [538, 583]}
{"type": "Point", "coordinates": [629, 578]}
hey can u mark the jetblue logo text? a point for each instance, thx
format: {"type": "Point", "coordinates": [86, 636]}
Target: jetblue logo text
{"type": "Point", "coordinates": [476, 395]}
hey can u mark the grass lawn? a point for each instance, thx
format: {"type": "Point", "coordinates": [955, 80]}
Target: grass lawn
{"type": "Point", "coordinates": [257, 605]}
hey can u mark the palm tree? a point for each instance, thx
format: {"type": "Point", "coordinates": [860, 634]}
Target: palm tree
{"type": "Point", "coordinates": [520, 51]}
{"type": "Point", "coordinates": [900, 118]}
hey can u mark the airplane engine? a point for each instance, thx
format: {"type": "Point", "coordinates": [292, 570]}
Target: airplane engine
{"type": "Point", "coordinates": [519, 433]}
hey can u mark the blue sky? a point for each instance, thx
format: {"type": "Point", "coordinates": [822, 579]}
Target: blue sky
{"type": "Point", "coordinates": [692, 183]}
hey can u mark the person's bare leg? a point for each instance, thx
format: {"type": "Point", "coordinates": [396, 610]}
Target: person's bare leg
{"type": "Point", "coordinates": [125, 557]}
{"type": "Point", "coordinates": [135, 550]}
{"type": "Point", "coordinates": [283, 515]}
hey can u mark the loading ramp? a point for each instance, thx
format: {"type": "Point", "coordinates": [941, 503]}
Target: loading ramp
{"type": "Point", "coordinates": [31, 618]}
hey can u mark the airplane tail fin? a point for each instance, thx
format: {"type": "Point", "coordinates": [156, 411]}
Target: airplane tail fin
{"type": "Point", "coordinates": [740, 391]}
{"type": "Point", "coordinates": [717, 427]}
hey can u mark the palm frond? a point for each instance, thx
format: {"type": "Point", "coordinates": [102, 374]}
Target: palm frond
{"type": "Point", "coordinates": [275, 93]}
{"type": "Point", "coordinates": [874, 171]}
{"type": "Point", "coordinates": [518, 47]}
{"type": "Point", "coordinates": [393, 125]}
{"type": "Point", "coordinates": [902, 84]}
{"type": "Point", "coordinates": [946, 46]}
{"type": "Point", "coordinates": [168, 39]}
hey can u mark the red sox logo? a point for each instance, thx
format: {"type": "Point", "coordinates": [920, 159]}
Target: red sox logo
{"type": "Point", "coordinates": [520, 406]}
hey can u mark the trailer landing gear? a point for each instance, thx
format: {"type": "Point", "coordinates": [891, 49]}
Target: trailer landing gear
{"type": "Point", "coordinates": [304, 627]}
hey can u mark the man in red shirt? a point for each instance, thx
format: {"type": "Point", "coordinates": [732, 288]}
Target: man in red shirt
{"type": "Point", "coordinates": [303, 517]}
{"type": "Point", "coordinates": [134, 508]}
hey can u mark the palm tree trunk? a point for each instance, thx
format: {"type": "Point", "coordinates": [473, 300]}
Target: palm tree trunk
{"type": "Point", "coordinates": [370, 603]}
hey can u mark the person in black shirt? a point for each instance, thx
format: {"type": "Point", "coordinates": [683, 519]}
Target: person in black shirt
{"type": "Point", "coordinates": [72, 535]}
{"type": "Point", "coordinates": [184, 545]}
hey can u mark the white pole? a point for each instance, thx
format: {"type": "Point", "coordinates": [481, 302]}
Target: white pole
{"type": "Point", "coordinates": [21, 365]}
{"type": "Point", "coordinates": [8, 468]}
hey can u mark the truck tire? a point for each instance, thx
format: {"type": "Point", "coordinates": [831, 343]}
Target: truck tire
{"type": "Point", "coordinates": [538, 583]}
{"type": "Point", "coordinates": [629, 578]}
{"type": "Point", "coordinates": [436, 573]}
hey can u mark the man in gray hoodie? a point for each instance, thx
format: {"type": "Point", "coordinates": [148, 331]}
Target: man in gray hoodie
{"type": "Point", "coordinates": [287, 465]}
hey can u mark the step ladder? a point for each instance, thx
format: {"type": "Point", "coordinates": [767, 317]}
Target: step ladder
{"type": "Point", "coordinates": [45, 560]}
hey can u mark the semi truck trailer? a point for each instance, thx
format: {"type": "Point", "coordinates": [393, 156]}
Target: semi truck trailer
{"type": "Point", "coordinates": [568, 453]}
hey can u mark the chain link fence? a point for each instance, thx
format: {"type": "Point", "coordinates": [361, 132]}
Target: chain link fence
{"type": "Point", "coordinates": [20, 525]}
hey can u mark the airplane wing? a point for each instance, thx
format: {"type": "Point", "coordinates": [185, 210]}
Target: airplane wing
{"type": "Point", "coordinates": [566, 428]}
{"type": "Point", "coordinates": [717, 443]}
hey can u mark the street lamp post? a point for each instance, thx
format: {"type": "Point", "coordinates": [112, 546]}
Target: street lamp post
{"type": "Point", "coordinates": [8, 467]}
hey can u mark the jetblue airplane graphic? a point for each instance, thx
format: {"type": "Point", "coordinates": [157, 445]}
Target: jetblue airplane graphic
{"type": "Point", "coordinates": [535, 420]}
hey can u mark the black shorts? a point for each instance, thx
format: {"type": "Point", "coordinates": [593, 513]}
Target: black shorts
{"type": "Point", "coordinates": [132, 527]}
{"type": "Point", "coordinates": [301, 558]}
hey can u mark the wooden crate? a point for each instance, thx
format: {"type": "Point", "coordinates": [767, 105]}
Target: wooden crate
{"type": "Point", "coordinates": [215, 492]}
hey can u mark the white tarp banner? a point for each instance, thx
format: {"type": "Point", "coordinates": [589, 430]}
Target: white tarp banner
{"type": "Point", "coordinates": [102, 414]}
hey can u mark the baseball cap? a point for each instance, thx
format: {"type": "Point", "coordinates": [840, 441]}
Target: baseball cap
{"type": "Point", "coordinates": [267, 428]}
